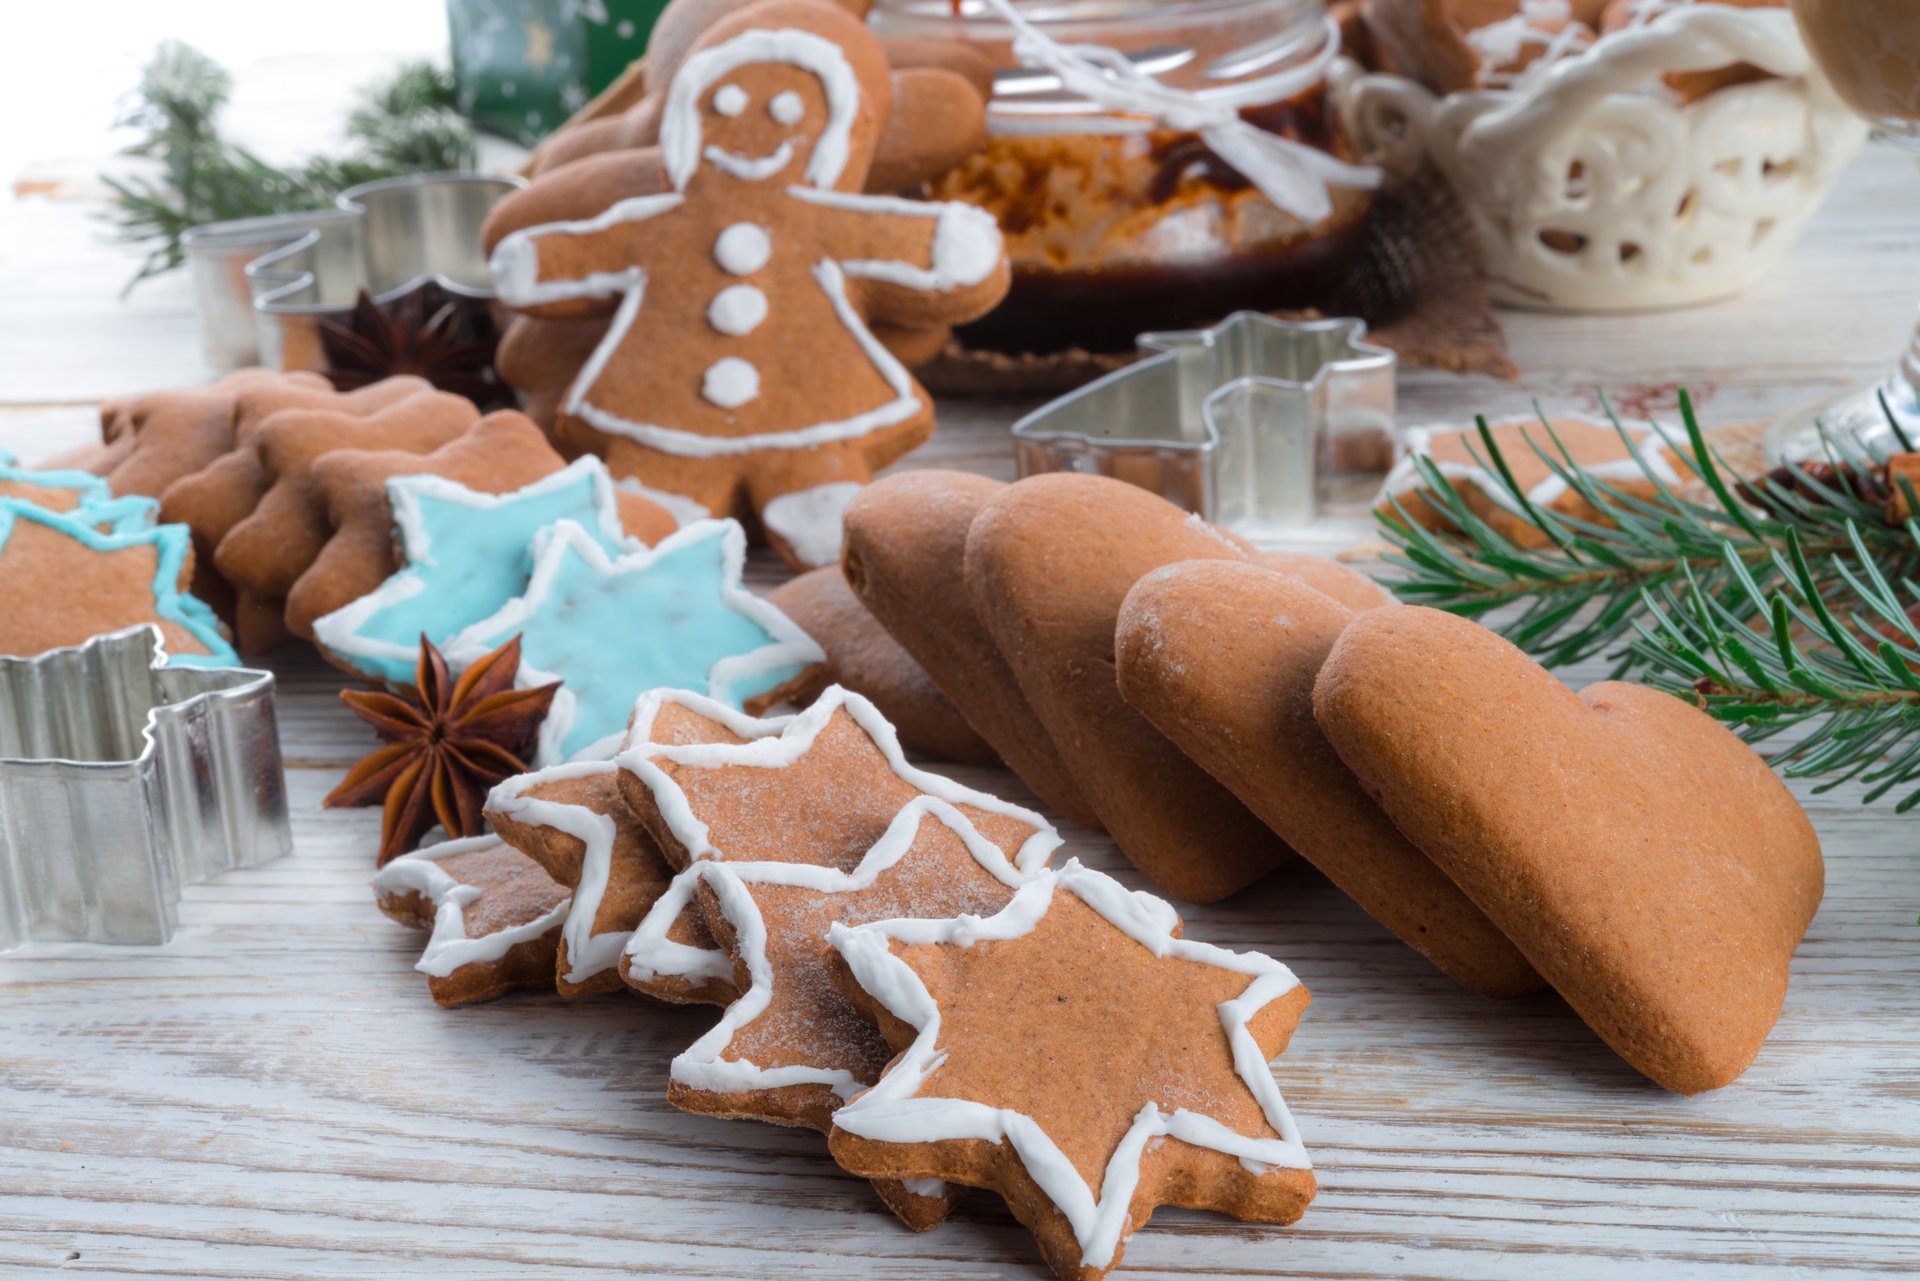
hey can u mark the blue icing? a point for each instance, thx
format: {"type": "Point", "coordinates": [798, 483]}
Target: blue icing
{"type": "Point", "coordinates": [93, 500]}
{"type": "Point", "coordinates": [171, 544]}
{"type": "Point", "coordinates": [466, 555]}
{"type": "Point", "coordinates": [612, 630]}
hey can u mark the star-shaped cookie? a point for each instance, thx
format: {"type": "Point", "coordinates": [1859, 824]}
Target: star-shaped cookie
{"type": "Point", "coordinates": [80, 494]}
{"type": "Point", "coordinates": [266, 553]}
{"type": "Point", "coordinates": [1156, 1089]}
{"type": "Point", "coordinates": [501, 453]}
{"type": "Point", "coordinates": [780, 836]}
{"type": "Point", "coordinates": [162, 436]}
{"type": "Point", "coordinates": [465, 556]}
{"type": "Point", "coordinates": [611, 627]}
{"type": "Point", "coordinates": [63, 581]}
{"type": "Point", "coordinates": [572, 821]}
{"type": "Point", "coordinates": [494, 912]}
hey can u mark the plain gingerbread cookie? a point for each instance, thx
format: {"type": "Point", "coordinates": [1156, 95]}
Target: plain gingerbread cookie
{"type": "Point", "coordinates": [868, 661]}
{"type": "Point", "coordinates": [1221, 658]}
{"type": "Point", "coordinates": [906, 543]}
{"type": "Point", "coordinates": [1049, 561]}
{"type": "Point", "coordinates": [1647, 862]}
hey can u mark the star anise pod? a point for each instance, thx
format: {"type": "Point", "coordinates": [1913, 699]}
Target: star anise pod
{"type": "Point", "coordinates": [428, 332]}
{"type": "Point", "coordinates": [448, 743]}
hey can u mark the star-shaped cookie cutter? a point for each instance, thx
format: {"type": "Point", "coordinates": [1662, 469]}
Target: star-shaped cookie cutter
{"type": "Point", "coordinates": [123, 779]}
{"type": "Point", "coordinates": [265, 284]}
{"type": "Point", "coordinates": [1256, 424]}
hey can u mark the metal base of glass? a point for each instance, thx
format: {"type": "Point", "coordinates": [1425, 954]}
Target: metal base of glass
{"type": "Point", "coordinates": [1858, 418]}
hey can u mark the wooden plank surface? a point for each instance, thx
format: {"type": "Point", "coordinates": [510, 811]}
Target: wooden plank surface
{"type": "Point", "coordinates": [273, 1095]}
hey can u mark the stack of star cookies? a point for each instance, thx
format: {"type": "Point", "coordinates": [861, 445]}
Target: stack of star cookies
{"type": "Point", "coordinates": [884, 945]}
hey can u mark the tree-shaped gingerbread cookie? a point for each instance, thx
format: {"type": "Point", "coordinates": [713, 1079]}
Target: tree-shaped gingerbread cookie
{"type": "Point", "coordinates": [739, 369]}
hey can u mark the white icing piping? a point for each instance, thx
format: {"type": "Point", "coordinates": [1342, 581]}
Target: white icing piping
{"type": "Point", "coordinates": [966, 240]}
{"type": "Point", "coordinates": [702, 1065]}
{"type": "Point", "coordinates": [810, 521]}
{"type": "Point", "coordinates": [750, 168]}
{"type": "Point", "coordinates": [550, 547]}
{"type": "Point", "coordinates": [793, 742]}
{"type": "Point", "coordinates": [448, 947]}
{"type": "Point", "coordinates": [1295, 177]}
{"type": "Point", "coordinates": [892, 1112]}
{"type": "Point", "coordinates": [587, 953]}
{"type": "Point", "coordinates": [692, 444]}
{"type": "Point", "coordinates": [680, 120]}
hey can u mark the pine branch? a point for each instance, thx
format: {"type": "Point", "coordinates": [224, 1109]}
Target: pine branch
{"type": "Point", "coordinates": [1583, 592]}
{"type": "Point", "coordinates": [406, 124]}
{"type": "Point", "coordinates": [1838, 665]}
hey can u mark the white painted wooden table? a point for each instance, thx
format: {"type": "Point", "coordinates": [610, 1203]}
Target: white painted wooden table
{"type": "Point", "coordinates": [273, 1094]}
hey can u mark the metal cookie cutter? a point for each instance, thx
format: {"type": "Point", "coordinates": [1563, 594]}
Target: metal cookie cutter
{"type": "Point", "coordinates": [121, 780]}
{"type": "Point", "coordinates": [264, 284]}
{"type": "Point", "coordinates": [1260, 425]}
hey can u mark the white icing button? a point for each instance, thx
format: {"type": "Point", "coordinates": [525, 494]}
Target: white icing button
{"type": "Point", "coordinates": [730, 382]}
{"type": "Point", "coordinates": [742, 249]}
{"type": "Point", "coordinates": [729, 100]}
{"type": "Point", "coordinates": [786, 108]}
{"type": "Point", "coordinates": [737, 310]}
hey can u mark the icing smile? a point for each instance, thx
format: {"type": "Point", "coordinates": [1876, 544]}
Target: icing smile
{"type": "Point", "coordinates": [752, 169]}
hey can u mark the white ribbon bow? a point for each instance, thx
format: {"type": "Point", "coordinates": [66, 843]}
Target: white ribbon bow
{"type": "Point", "coordinates": [1292, 175]}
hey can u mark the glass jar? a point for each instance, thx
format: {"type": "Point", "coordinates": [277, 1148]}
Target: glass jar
{"type": "Point", "coordinates": [1117, 224]}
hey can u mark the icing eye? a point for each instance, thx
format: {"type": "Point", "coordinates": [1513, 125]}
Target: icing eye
{"type": "Point", "coordinates": [787, 108]}
{"type": "Point", "coordinates": [730, 100]}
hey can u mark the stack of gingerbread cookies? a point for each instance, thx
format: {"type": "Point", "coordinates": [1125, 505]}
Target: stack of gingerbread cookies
{"type": "Point", "coordinates": [1214, 710]}
{"type": "Point", "coordinates": [882, 943]}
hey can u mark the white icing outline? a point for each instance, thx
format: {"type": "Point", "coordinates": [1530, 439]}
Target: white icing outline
{"type": "Point", "coordinates": [339, 631]}
{"type": "Point", "coordinates": [448, 947]}
{"type": "Point", "coordinates": [966, 240]}
{"type": "Point", "coordinates": [684, 510]}
{"type": "Point", "coordinates": [1651, 444]}
{"type": "Point", "coordinates": [811, 521]}
{"type": "Point", "coordinates": [701, 1065]}
{"type": "Point", "coordinates": [794, 741]}
{"type": "Point", "coordinates": [588, 953]}
{"type": "Point", "coordinates": [891, 1113]}
{"type": "Point", "coordinates": [550, 547]}
{"type": "Point", "coordinates": [680, 140]}
{"type": "Point", "coordinates": [515, 263]}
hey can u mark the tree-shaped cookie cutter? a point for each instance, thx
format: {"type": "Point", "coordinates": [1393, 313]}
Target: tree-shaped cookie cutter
{"type": "Point", "coordinates": [1257, 424]}
{"type": "Point", "coordinates": [123, 779]}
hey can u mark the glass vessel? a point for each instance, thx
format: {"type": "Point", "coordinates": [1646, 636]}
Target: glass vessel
{"type": "Point", "coordinates": [1870, 53]}
{"type": "Point", "coordinates": [1117, 224]}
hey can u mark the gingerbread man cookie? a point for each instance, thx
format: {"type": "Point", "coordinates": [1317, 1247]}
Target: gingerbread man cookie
{"type": "Point", "coordinates": [1142, 1075]}
{"type": "Point", "coordinates": [739, 369]}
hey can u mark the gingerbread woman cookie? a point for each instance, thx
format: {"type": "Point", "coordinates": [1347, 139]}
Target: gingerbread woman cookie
{"type": "Point", "coordinates": [739, 369]}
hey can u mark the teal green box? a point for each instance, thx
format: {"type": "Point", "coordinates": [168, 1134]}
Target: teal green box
{"type": "Point", "coordinates": [521, 67]}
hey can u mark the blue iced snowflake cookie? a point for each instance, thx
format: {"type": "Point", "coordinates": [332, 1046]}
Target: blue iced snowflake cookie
{"type": "Point", "coordinates": [612, 627]}
{"type": "Point", "coordinates": [464, 554]}
{"type": "Point", "coordinates": [80, 494]}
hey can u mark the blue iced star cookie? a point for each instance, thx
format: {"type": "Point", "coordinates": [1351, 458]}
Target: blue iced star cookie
{"type": "Point", "coordinates": [105, 572]}
{"type": "Point", "coordinates": [464, 554]}
{"type": "Point", "coordinates": [78, 493]}
{"type": "Point", "coordinates": [613, 627]}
